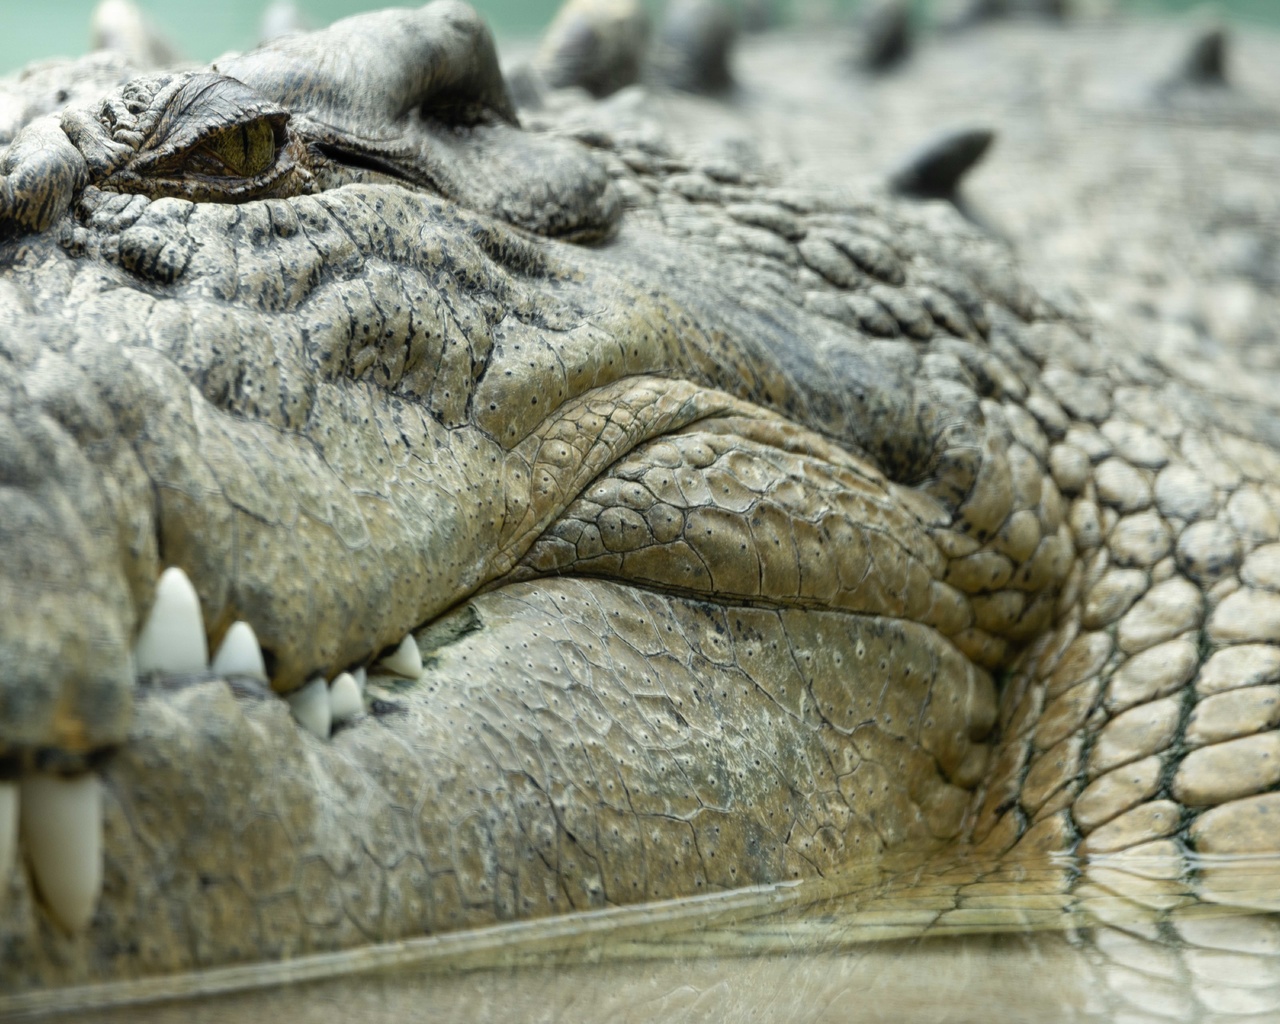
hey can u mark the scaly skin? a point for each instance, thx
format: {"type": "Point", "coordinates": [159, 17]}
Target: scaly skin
{"type": "Point", "coordinates": [772, 532]}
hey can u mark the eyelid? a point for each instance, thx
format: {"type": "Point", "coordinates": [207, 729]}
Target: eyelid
{"type": "Point", "coordinates": [211, 139]}
{"type": "Point", "coordinates": [204, 109]}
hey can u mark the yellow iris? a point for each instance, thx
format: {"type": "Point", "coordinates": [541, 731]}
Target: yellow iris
{"type": "Point", "coordinates": [245, 150]}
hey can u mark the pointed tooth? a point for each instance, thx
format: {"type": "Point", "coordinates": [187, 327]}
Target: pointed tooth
{"type": "Point", "coordinates": [8, 832]}
{"type": "Point", "coordinates": [239, 654]}
{"type": "Point", "coordinates": [310, 706]}
{"type": "Point", "coordinates": [405, 660]}
{"type": "Point", "coordinates": [172, 640]}
{"type": "Point", "coordinates": [361, 676]}
{"type": "Point", "coordinates": [62, 833]}
{"type": "Point", "coordinates": [345, 701]}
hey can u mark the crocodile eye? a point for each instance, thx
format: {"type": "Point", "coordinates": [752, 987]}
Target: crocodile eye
{"type": "Point", "coordinates": [206, 138]}
{"type": "Point", "coordinates": [241, 151]}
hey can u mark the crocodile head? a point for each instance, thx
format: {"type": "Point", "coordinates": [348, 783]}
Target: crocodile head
{"type": "Point", "coordinates": [717, 521]}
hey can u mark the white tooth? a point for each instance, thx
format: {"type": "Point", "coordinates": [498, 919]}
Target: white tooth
{"type": "Point", "coordinates": [405, 661]}
{"type": "Point", "coordinates": [361, 676]}
{"type": "Point", "coordinates": [62, 833]}
{"type": "Point", "coordinates": [172, 639]}
{"type": "Point", "coordinates": [8, 832]}
{"type": "Point", "coordinates": [310, 706]}
{"type": "Point", "coordinates": [344, 698]}
{"type": "Point", "coordinates": [239, 654]}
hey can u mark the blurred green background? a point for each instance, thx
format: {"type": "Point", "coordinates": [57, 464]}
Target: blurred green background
{"type": "Point", "coordinates": [205, 28]}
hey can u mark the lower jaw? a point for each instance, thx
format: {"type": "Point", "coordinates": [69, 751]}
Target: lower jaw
{"type": "Point", "coordinates": [578, 745]}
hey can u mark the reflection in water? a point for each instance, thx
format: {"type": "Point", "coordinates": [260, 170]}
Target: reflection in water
{"type": "Point", "coordinates": [1125, 938]}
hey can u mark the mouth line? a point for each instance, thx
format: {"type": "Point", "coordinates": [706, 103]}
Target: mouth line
{"type": "Point", "coordinates": [71, 888]}
{"type": "Point", "coordinates": [217, 797]}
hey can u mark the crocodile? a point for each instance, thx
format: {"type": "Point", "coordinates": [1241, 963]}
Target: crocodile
{"type": "Point", "coordinates": [676, 528]}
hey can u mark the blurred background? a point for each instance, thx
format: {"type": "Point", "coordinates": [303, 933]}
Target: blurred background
{"type": "Point", "coordinates": [33, 29]}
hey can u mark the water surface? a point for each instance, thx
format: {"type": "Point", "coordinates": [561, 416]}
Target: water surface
{"type": "Point", "coordinates": [1114, 938]}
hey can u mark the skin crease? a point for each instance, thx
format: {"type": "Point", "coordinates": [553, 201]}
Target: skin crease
{"type": "Point", "coordinates": [770, 532]}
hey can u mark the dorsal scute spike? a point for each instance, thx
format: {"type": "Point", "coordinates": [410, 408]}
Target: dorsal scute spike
{"type": "Point", "coordinates": [884, 35]}
{"type": "Point", "coordinates": [936, 169]}
{"type": "Point", "coordinates": [965, 14]}
{"type": "Point", "coordinates": [596, 45]}
{"type": "Point", "coordinates": [694, 45]}
{"type": "Point", "coordinates": [1205, 60]}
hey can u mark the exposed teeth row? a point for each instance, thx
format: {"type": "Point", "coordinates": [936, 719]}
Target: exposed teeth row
{"type": "Point", "coordinates": [172, 642]}
{"type": "Point", "coordinates": [319, 706]}
{"type": "Point", "coordinates": [60, 819]}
